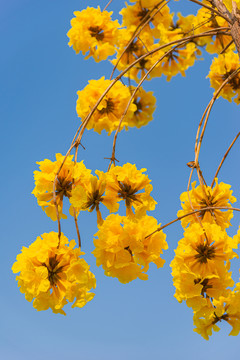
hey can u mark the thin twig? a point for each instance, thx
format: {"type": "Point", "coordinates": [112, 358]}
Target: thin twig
{"type": "Point", "coordinates": [77, 228]}
{"type": "Point", "coordinates": [224, 157]}
{"type": "Point", "coordinates": [107, 5]}
{"type": "Point", "coordinates": [191, 213]}
{"type": "Point", "coordinates": [213, 10]}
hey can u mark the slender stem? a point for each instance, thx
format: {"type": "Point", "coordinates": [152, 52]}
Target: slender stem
{"type": "Point", "coordinates": [107, 5]}
{"type": "Point", "coordinates": [213, 10]}
{"type": "Point", "coordinates": [224, 157]}
{"type": "Point", "coordinates": [144, 22]}
{"type": "Point", "coordinates": [77, 228]}
{"type": "Point", "coordinates": [191, 213]}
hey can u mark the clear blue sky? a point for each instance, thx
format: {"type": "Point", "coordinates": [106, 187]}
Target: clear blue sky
{"type": "Point", "coordinates": [40, 76]}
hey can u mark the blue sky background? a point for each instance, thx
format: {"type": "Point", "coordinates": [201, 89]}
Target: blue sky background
{"type": "Point", "coordinates": [40, 76]}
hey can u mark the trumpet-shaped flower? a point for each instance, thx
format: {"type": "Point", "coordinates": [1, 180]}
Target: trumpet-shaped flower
{"type": "Point", "coordinates": [93, 31]}
{"type": "Point", "coordinates": [204, 196]}
{"type": "Point", "coordinates": [205, 249]}
{"type": "Point", "coordinates": [70, 174]}
{"type": "Point", "coordinates": [111, 108]}
{"type": "Point", "coordinates": [53, 274]}
{"type": "Point", "coordinates": [89, 196]}
{"type": "Point", "coordinates": [124, 249]}
{"type": "Point", "coordinates": [131, 185]}
{"type": "Point", "coordinates": [222, 67]}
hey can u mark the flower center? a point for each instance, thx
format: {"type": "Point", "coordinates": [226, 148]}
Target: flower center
{"type": "Point", "coordinates": [205, 252]}
{"type": "Point", "coordinates": [93, 200]}
{"type": "Point", "coordinates": [127, 193]}
{"type": "Point", "coordinates": [138, 104]}
{"type": "Point", "coordinates": [109, 107]}
{"type": "Point", "coordinates": [63, 187]}
{"type": "Point", "coordinates": [205, 286]}
{"type": "Point", "coordinates": [97, 32]}
{"type": "Point", "coordinates": [219, 318]}
{"type": "Point", "coordinates": [141, 14]}
{"type": "Point", "coordinates": [53, 270]}
{"type": "Point", "coordinates": [235, 82]}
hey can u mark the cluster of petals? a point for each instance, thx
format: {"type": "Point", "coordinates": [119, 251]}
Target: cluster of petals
{"type": "Point", "coordinates": [203, 196]}
{"type": "Point", "coordinates": [131, 185]}
{"type": "Point", "coordinates": [93, 32]}
{"type": "Point", "coordinates": [124, 249]}
{"type": "Point", "coordinates": [53, 274]}
{"type": "Point", "coordinates": [110, 110]}
{"type": "Point", "coordinates": [71, 173]}
{"type": "Point", "coordinates": [201, 266]}
{"type": "Point", "coordinates": [222, 67]}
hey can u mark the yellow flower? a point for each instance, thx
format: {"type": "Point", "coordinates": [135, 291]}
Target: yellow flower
{"type": "Point", "coordinates": [193, 287]}
{"type": "Point", "coordinates": [221, 68]}
{"type": "Point", "coordinates": [133, 16]}
{"type": "Point", "coordinates": [53, 274]}
{"type": "Point", "coordinates": [89, 195]}
{"type": "Point", "coordinates": [204, 196]}
{"type": "Point", "coordinates": [70, 174]}
{"type": "Point", "coordinates": [145, 103]}
{"type": "Point", "coordinates": [94, 31]}
{"type": "Point", "coordinates": [124, 250]}
{"type": "Point", "coordinates": [206, 20]}
{"type": "Point", "coordinates": [222, 309]}
{"type": "Point", "coordinates": [111, 108]}
{"type": "Point", "coordinates": [205, 249]}
{"type": "Point", "coordinates": [177, 61]}
{"type": "Point", "coordinates": [131, 185]}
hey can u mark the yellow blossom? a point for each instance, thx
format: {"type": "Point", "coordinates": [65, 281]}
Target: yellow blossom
{"type": "Point", "coordinates": [71, 173]}
{"type": "Point", "coordinates": [93, 30]}
{"type": "Point", "coordinates": [124, 250]}
{"type": "Point", "coordinates": [131, 185]}
{"type": "Point", "coordinates": [89, 195]}
{"type": "Point", "coordinates": [53, 274]}
{"type": "Point", "coordinates": [221, 68]}
{"type": "Point", "coordinates": [204, 196]}
{"type": "Point", "coordinates": [109, 111]}
{"type": "Point", "coordinates": [145, 103]}
{"type": "Point", "coordinates": [205, 249]}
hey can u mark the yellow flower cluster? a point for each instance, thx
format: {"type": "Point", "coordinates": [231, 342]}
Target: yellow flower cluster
{"type": "Point", "coordinates": [123, 248]}
{"type": "Point", "coordinates": [69, 174]}
{"type": "Point", "coordinates": [223, 66]}
{"type": "Point", "coordinates": [93, 31]}
{"type": "Point", "coordinates": [53, 274]}
{"type": "Point", "coordinates": [201, 197]}
{"type": "Point", "coordinates": [201, 266]}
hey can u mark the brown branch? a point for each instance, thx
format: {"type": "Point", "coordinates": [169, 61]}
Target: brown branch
{"type": "Point", "coordinates": [224, 157]}
{"type": "Point", "coordinates": [144, 22]}
{"type": "Point", "coordinates": [107, 5]}
{"type": "Point", "coordinates": [208, 110]}
{"type": "Point", "coordinates": [191, 213]}
{"type": "Point", "coordinates": [219, 13]}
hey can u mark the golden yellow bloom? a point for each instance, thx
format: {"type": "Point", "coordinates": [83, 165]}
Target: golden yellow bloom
{"type": "Point", "coordinates": [222, 309]}
{"type": "Point", "coordinates": [228, 4]}
{"type": "Point", "coordinates": [204, 196]}
{"type": "Point", "coordinates": [129, 184]}
{"type": "Point", "coordinates": [89, 195]}
{"type": "Point", "coordinates": [111, 108]}
{"type": "Point", "coordinates": [94, 31]}
{"type": "Point", "coordinates": [205, 250]}
{"type": "Point", "coordinates": [44, 179]}
{"type": "Point", "coordinates": [53, 274]}
{"type": "Point", "coordinates": [177, 61]}
{"type": "Point", "coordinates": [192, 287]}
{"type": "Point", "coordinates": [124, 250]}
{"type": "Point", "coordinates": [134, 15]}
{"type": "Point", "coordinates": [221, 68]}
{"type": "Point", "coordinates": [145, 103]}
{"type": "Point", "coordinates": [206, 20]}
